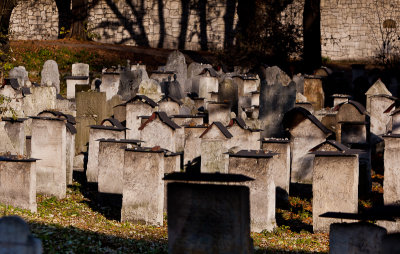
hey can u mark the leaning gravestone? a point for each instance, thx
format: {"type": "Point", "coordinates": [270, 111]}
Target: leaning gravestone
{"type": "Point", "coordinates": [278, 95]}
{"type": "Point", "coordinates": [15, 237]}
{"type": "Point", "coordinates": [176, 62]}
{"type": "Point", "coordinates": [50, 75]}
{"type": "Point", "coordinates": [20, 74]}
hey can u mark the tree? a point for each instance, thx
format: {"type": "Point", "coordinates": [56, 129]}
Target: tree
{"type": "Point", "coordinates": [79, 19]}
{"type": "Point", "coordinates": [6, 8]}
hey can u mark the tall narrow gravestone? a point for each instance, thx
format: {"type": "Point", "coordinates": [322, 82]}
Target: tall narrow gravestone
{"type": "Point", "coordinates": [48, 144]}
{"type": "Point", "coordinates": [208, 218]}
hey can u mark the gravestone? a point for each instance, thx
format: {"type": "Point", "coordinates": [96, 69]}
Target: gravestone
{"type": "Point", "coordinates": [174, 89]}
{"type": "Point", "coordinates": [314, 91]}
{"type": "Point", "coordinates": [378, 88]}
{"type": "Point", "coordinates": [143, 189]}
{"type": "Point", "coordinates": [80, 69]}
{"type": "Point", "coordinates": [219, 112]}
{"type": "Point", "coordinates": [306, 132]}
{"type": "Point", "coordinates": [192, 142]}
{"type": "Point", "coordinates": [355, 238]}
{"type": "Point", "coordinates": [109, 129]}
{"type": "Point", "coordinates": [391, 187]}
{"type": "Point", "coordinates": [130, 82]}
{"type": "Point", "coordinates": [139, 105]}
{"type": "Point", "coordinates": [176, 62]}
{"type": "Point", "coordinates": [340, 98]}
{"type": "Point", "coordinates": [50, 75]}
{"type": "Point", "coordinates": [228, 92]}
{"type": "Point", "coordinates": [243, 136]}
{"type": "Point", "coordinates": [110, 81]}
{"type": "Point", "coordinates": [281, 164]}
{"type": "Point", "coordinates": [20, 74]}
{"type": "Point", "coordinates": [334, 182]}
{"type": "Point", "coordinates": [160, 130]}
{"type": "Point", "coordinates": [80, 77]}
{"type": "Point", "coordinates": [150, 88]}
{"type": "Point", "coordinates": [395, 121]}
{"type": "Point", "coordinates": [111, 164]}
{"type": "Point", "coordinates": [188, 120]}
{"type": "Point", "coordinates": [48, 144]}
{"type": "Point", "coordinates": [15, 130]}
{"type": "Point", "coordinates": [214, 148]}
{"type": "Point", "coordinates": [169, 105]}
{"type": "Point", "coordinates": [278, 95]}
{"type": "Point", "coordinates": [257, 164]}
{"type": "Point", "coordinates": [70, 151]}
{"type": "Point", "coordinates": [206, 86]}
{"type": "Point", "coordinates": [378, 118]}
{"type": "Point", "coordinates": [15, 237]}
{"type": "Point", "coordinates": [18, 182]}
{"type": "Point", "coordinates": [208, 218]}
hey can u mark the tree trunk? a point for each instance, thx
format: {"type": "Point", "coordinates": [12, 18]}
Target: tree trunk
{"type": "Point", "coordinates": [6, 8]}
{"type": "Point", "coordinates": [64, 17]}
{"type": "Point", "coordinates": [79, 17]}
{"type": "Point", "coordinates": [312, 34]}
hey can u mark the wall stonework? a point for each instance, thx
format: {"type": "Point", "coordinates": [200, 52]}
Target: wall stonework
{"type": "Point", "coordinates": [34, 20]}
{"type": "Point", "coordinates": [350, 29]}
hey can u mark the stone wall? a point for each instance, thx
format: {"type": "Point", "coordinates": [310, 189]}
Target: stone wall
{"type": "Point", "coordinates": [350, 29]}
{"type": "Point", "coordinates": [35, 20]}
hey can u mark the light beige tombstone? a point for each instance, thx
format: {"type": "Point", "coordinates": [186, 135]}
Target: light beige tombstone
{"type": "Point", "coordinates": [305, 133]}
{"type": "Point", "coordinates": [143, 189]}
{"type": "Point", "coordinates": [48, 144]}
{"type": "Point", "coordinates": [243, 136]}
{"type": "Point", "coordinates": [80, 77]}
{"type": "Point", "coordinates": [335, 182]}
{"type": "Point", "coordinates": [257, 164]}
{"type": "Point", "coordinates": [379, 117]}
{"type": "Point", "coordinates": [110, 81]}
{"type": "Point", "coordinates": [378, 88]}
{"type": "Point", "coordinates": [391, 181]}
{"type": "Point", "coordinates": [111, 164]}
{"type": "Point", "coordinates": [206, 86]}
{"type": "Point", "coordinates": [281, 164]}
{"type": "Point", "coordinates": [150, 88]}
{"type": "Point", "coordinates": [109, 128]}
{"type": "Point", "coordinates": [160, 130]}
{"type": "Point", "coordinates": [18, 182]}
{"type": "Point", "coordinates": [192, 142]}
{"type": "Point", "coordinates": [15, 130]}
{"type": "Point", "coordinates": [214, 148]}
{"type": "Point", "coordinates": [139, 105]}
{"type": "Point", "coordinates": [169, 105]}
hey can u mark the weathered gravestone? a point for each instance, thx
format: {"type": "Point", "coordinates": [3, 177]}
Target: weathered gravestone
{"type": "Point", "coordinates": [192, 142]}
{"type": "Point", "coordinates": [177, 63]}
{"type": "Point", "coordinates": [208, 218]}
{"type": "Point", "coordinates": [334, 182]}
{"type": "Point", "coordinates": [314, 91]}
{"type": "Point", "coordinates": [140, 105]}
{"type": "Point", "coordinates": [355, 238]}
{"type": "Point", "coordinates": [207, 85]}
{"type": "Point", "coordinates": [111, 164]}
{"type": "Point", "coordinates": [281, 164]}
{"type": "Point", "coordinates": [243, 136]}
{"type": "Point", "coordinates": [20, 74]}
{"type": "Point", "coordinates": [109, 128]}
{"type": "Point", "coordinates": [219, 112]}
{"type": "Point", "coordinates": [143, 189]}
{"type": "Point", "coordinates": [80, 77]}
{"type": "Point", "coordinates": [15, 129]}
{"type": "Point", "coordinates": [391, 181]}
{"type": "Point", "coordinates": [214, 148]}
{"type": "Point", "coordinates": [278, 95]}
{"type": "Point", "coordinates": [50, 75]}
{"type": "Point", "coordinates": [228, 92]}
{"type": "Point", "coordinates": [15, 237]}
{"type": "Point", "coordinates": [48, 144]}
{"type": "Point", "coordinates": [130, 82]}
{"type": "Point", "coordinates": [150, 88]}
{"type": "Point", "coordinates": [110, 81]}
{"type": "Point", "coordinates": [257, 164]}
{"type": "Point", "coordinates": [160, 130]}
{"type": "Point", "coordinates": [169, 105]}
{"type": "Point", "coordinates": [378, 88]}
{"type": "Point", "coordinates": [18, 182]}
{"type": "Point", "coordinates": [306, 132]}
{"type": "Point", "coordinates": [378, 117]}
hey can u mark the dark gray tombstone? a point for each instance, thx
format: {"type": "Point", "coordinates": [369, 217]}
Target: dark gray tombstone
{"type": "Point", "coordinates": [130, 82]}
{"type": "Point", "coordinates": [208, 218]}
{"type": "Point", "coordinates": [278, 95]}
{"type": "Point", "coordinates": [15, 237]}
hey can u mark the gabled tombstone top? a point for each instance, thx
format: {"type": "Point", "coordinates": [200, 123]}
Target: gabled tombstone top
{"type": "Point", "coordinates": [144, 99]}
{"type": "Point", "coordinates": [298, 114]}
{"type": "Point", "coordinates": [220, 127]}
{"type": "Point", "coordinates": [242, 124]}
{"type": "Point", "coordinates": [378, 88]}
{"type": "Point", "coordinates": [169, 98]}
{"type": "Point", "coordinates": [163, 118]}
{"type": "Point", "coordinates": [109, 124]}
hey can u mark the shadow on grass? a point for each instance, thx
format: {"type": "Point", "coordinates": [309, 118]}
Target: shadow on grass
{"type": "Point", "coordinates": [107, 204]}
{"type": "Point", "coordinates": [57, 239]}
